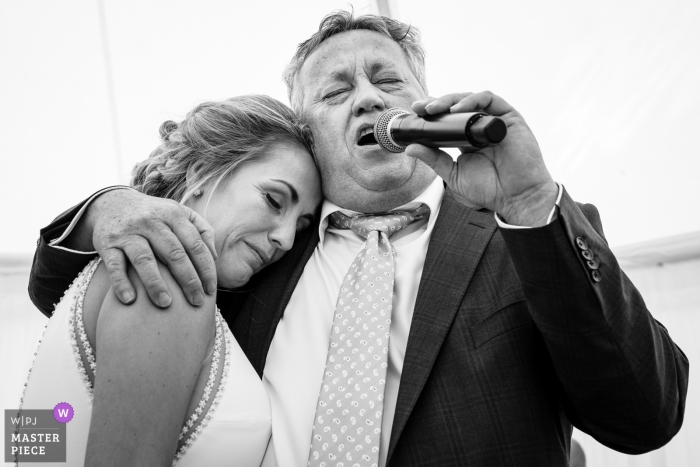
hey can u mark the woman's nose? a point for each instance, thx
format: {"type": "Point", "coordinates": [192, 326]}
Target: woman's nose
{"type": "Point", "coordinates": [283, 235]}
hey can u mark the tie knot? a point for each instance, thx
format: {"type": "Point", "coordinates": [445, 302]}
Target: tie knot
{"type": "Point", "coordinates": [389, 223]}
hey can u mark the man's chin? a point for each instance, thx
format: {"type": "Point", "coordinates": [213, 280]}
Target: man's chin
{"type": "Point", "coordinates": [380, 180]}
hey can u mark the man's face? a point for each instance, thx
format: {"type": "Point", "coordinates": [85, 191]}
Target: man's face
{"type": "Point", "coordinates": [346, 83]}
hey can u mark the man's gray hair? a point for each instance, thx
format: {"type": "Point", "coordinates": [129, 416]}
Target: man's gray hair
{"type": "Point", "coordinates": [407, 36]}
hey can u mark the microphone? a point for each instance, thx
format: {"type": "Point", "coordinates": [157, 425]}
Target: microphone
{"type": "Point", "coordinates": [397, 128]}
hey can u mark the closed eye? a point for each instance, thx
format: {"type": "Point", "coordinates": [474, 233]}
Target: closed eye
{"type": "Point", "coordinates": [271, 200]}
{"type": "Point", "coordinates": [389, 82]}
{"type": "Point", "coordinates": [335, 93]}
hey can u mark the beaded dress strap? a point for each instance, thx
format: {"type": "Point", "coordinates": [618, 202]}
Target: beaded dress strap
{"type": "Point", "coordinates": [82, 351]}
{"type": "Point", "coordinates": [218, 374]}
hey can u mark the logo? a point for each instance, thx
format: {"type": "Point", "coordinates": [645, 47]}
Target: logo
{"type": "Point", "coordinates": [37, 435]}
{"type": "Point", "coordinates": [63, 412]}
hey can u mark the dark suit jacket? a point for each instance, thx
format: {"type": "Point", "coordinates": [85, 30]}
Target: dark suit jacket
{"type": "Point", "coordinates": [515, 336]}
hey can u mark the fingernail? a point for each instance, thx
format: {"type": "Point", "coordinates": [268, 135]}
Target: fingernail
{"type": "Point", "coordinates": [127, 296]}
{"type": "Point", "coordinates": [163, 299]}
{"type": "Point", "coordinates": [211, 287]}
{"type": "Point", "coordinates": [198, 298]}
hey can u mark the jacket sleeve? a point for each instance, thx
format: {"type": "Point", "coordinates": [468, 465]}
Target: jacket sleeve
{"type": "Point", "coordinates": [54, 267]}
{"type": "Point", "coordinates": [623, 379]}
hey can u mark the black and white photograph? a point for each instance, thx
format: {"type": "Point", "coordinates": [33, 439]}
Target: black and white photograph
{"type": "Point", "coordinates": [373, 233]}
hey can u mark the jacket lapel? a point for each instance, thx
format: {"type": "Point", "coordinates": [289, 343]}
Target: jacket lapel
{"type": "Point", "coordinates": [457, 243]}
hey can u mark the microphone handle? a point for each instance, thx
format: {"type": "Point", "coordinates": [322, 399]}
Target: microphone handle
{"type": "Point", "coordinates": [459, 130]}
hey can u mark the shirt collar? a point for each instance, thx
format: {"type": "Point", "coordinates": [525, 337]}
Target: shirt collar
{"type": "Point", "coordinates": [431, 196]}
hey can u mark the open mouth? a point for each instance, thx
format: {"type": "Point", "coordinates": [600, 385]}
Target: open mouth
{"type": "Point", "coordinates": [367, 138]}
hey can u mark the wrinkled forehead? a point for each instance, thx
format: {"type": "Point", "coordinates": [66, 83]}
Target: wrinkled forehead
{"type": "Point", "coordinates": [343, 56]}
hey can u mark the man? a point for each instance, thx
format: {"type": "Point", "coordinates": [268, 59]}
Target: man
{"type": "Point", "coordinates": [499, 337]}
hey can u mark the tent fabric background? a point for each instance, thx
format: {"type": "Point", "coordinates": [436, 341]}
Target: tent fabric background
{"type": "Point", "coordinates": [608, 88]}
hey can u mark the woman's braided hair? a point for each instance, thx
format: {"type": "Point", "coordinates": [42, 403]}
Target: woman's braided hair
{"type": "Point", "coordinates": [212, 141]}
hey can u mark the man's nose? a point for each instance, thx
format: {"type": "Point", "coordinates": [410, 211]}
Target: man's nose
{"type": "Point", "coordinates": [282, 236]}
{"type": "Point", "coordinates": [368, 98]}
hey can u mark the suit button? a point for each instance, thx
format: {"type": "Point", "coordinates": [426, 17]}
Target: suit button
{"type": "Point", "coordinates": [587, 254]}
{"type": "Point", "coordinates": [592, 264]}
{"type": "Point", "coordinates": [595, 274]}
{"type": "Point", "coordinates": [581, 243]}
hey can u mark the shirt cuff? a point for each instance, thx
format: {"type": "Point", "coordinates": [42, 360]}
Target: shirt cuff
{"type": "Point", "coordinates": [550, 218]}
{"type": "Point", "coordinates": [55, 243]}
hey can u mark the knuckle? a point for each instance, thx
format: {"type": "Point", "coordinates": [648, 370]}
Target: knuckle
{"type": "Point", "coordinates": [177, 255]}
{"type": "Point", "coordinates": [113, 237]}
{"type": "Point", "coordinates": [199, 247]}
{"type": "Point", "coordinates": [192, 283]}
{"type": "Point", "coordinates": [119, 283]}
{"type": "Point", "coordinates": [143, 259]}
{"type": "Point", "coordinates": [158, 210]}
{"type": "Point", "coordinates": [208, 274]}
{"type": "Point", "coordinates": [174, 207]}
{"type": "Point", "coordinates": [153, 284]}
{"type": "Point", "coordinates": [114, 265]}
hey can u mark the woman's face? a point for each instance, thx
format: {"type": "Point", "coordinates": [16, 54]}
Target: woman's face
{"type": "Point", "coordinates": [258, 209]}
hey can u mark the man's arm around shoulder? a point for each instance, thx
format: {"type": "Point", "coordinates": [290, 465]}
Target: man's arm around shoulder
{"type": "Point", "coordinates": [126, 225]}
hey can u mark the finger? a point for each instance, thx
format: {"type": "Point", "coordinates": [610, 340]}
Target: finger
{"type": "Point", "coordinates": [441, 162]}
{"type": "Point", "coordinates": [483, 101]}
{"type": "Point", "coordinates": [170, 250]}
{"type": "Point", "coordinates": [443, 104]}
{"type": "Point", "coordinates": [205, 230]}
{"type": "Point", "coordinates": [142, 257]}
{"type": "Point", "coordinates": [199, 252]}
{"type": "Point", "coordinates": [115, 262]}
{"type": "Point", "coordinates": [419, 106]}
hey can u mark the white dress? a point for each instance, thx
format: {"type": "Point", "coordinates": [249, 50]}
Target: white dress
{"type": "Point", "coordinates": [231, 425]}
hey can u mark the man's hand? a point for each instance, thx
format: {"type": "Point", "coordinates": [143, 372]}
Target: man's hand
{"type": "Point", "coordinates": [509, 178]}
{"type": "Point", "coordinates": [128, 224]}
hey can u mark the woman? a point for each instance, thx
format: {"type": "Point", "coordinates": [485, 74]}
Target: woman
{"type": "Point", "coordinates": [151, 386]}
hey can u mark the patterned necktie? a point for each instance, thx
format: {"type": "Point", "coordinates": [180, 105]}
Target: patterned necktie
{"type": "Point", "coordinates": [348, 422]}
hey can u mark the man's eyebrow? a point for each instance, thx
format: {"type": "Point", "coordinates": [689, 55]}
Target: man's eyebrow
{"type": "Point", "coordinates": [295, 195]}
{"type": "Point", "coordinates": [334, 76]}
{"type": "Point", "coordinates": [381, 63]}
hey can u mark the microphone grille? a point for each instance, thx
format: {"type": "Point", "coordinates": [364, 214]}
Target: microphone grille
{"type": "Point", "coordinates": [381, 129]}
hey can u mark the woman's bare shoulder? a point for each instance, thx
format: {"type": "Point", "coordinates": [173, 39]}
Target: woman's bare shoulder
{"type": "Point", "coordinates": [100, 295]}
